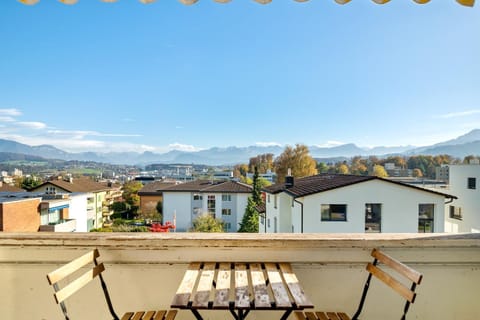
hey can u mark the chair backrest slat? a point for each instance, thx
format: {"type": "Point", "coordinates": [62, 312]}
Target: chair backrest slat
{"type": "Point", "coordinates": [78, 283]}
{"type": "Point", "coordinates": [386, 269]}
{"type": "Point", "coordinates": [71, 267]}
{"type": "Point", "coordinates": [391, 282]}
{"type": "Point", "coordinates": [401, 268]}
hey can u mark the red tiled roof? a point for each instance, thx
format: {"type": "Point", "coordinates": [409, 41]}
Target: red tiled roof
{"type": "Point", "coordinates": [77, 185]}
{"type": "Point", "coordinates": [8, 188]}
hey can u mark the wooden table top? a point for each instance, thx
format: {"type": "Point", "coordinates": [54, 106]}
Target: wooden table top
{"type": "Point", "coordinates": [247, 286]}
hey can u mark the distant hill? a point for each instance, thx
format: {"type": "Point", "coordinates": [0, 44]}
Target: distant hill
{"type": "Point", "coordinates": [462, 146]}
{"type": "Point", "coordinates": [9, 156]}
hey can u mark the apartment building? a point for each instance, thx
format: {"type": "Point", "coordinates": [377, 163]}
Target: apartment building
{"type": "Point", "coordinates": [101, 211]}
{"type": "Point", "coordinates": [225, 200]}
{"type": "Point", "coordinates": [329, 203]}
{"type": "Point", "coordinates": [463, 214]}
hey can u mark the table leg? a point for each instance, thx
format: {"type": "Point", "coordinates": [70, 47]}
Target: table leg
{"type": "Point", "coordinates": [286, 314]}
{"type": "Point", "coordinates": [197, 314]}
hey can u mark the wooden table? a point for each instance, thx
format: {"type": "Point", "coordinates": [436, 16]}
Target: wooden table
{"type": "Point", "coordinates": [240, 288]}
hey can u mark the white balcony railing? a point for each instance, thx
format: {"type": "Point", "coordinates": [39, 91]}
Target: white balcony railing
{"type": "Point", "coordinates": [144, 269]}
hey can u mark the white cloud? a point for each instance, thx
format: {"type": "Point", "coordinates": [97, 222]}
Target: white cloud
{"type": "Point", "coordinates": [6, 119]}
{"type": "Point", "coordinates": [10, 112]}
{"type": "Point", "coordinates": [183, 147]}
{"type": "Point", "coordinates": [329, 144]}
{"type": "Point", "coordinates": [33, 124]}
{"type": "Point", "coordinates": [268, 144]}
{"type": "Point", "coordinates": [80, 134]}
{"type": "Point", "coordinates": [458, 114]}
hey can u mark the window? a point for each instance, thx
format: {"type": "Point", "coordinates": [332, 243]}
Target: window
{"type": "Point", "coordinates": [472, 183]}
{"type": "Point", "coordinates": [211, 204]}
{"type": "Point", "coordinates": [456, 212]}
{"type": "Point", "coordinates": [373, 217]}
{"type": "Point", "coordinates": [275, 201]}
{"type": "Point", "coordinates": [262, 220]}
{"type": "Point", "coordinates": [197, 196]}
{"type": "Point", "coordinates": [425, 217]}
{"type": "Point", "coordinates": [268, 198]}
{"type": "Point", "coordinates": [268, 223]}
{"type": "Point", "coordinates": [275, 223]}
{"type": "Point", "coordinates": [333, 212]}
{"type": "Point", "coordinates": [226, 212]}
{"type": "Point", "coordinates": [227, 226]}
{"type": "Point", "coordinates": [226, 197]}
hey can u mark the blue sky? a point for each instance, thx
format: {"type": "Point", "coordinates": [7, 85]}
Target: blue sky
{"type": "Point", "coordinates": [132, 77]}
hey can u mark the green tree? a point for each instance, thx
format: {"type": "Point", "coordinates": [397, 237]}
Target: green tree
{"type": "Point", "coordinates": [256, 190]}
{"type": "Point", "coordinates": [297, 159]}
{"type": "Point", "coordinates": [322, 167]}
{"type": "Point", "coordinates": [250, 218]}
{"type": "Point", "coordinates": [130, 193]}
{"type": "Point", "coordinates": [379, 171]}
{"type": "Point", "coordinates": [207, 223]}
{"type": "Point", "coordinates": [30, 182]}
{"type": "Point", "coordinates": [159, 207]}
{"type": "Point", "coordinates": [119, 207]}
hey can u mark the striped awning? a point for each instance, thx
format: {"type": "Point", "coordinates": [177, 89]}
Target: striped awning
{"type": "Point", "coordinates": [468, 3]}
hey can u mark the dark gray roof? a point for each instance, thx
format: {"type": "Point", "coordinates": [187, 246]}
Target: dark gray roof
{"type": "Point", "coordinates": [155, 188]}
{"type": "Point", "coordinates": [325, 182]}
{"type": "Point", "coordinates": [210, 186]}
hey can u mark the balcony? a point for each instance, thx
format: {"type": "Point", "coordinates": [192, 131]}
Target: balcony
{"type": "Point", "coordinates": [68, 225]}
{"type": "Point", "coordinates": [143, 270]}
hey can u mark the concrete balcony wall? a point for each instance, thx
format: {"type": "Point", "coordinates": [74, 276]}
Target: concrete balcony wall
{"type": "Point", "coordinates": [64, 226]}
{"type": "Point", "coordinates": [143, 271]}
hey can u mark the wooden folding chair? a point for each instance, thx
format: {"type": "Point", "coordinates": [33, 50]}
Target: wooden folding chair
{"type": "Point", "coordinates": [374, 269]}
{"type": "Point", "coordinates": [72, 286]}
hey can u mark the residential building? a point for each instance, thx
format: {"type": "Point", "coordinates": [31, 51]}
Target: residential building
{"type": "Point", "coordinates": [225, 200]}
{"type": "Point", "coordinates": [269, 176]}
{"type": "Point", "coordinates": [463, 214]}
{"type": "Point", "coordinates": [4, 187]}
{"type": "Point", "coordinates": [97, 201]}
{"type": "Point", "coordinates": [82, 210]}
{"type": "Point", "coordinates": [329, 203]}
{"type": "Point", "coordinates": [19, 214]}
{"type": "Point", "coordinates": [54, 213]}
{"type": "Point", "coordinates": [32, 212]}
{"type": "Point", "coordinates": [151, 194]}
{"type": "Point", "coordinates": [394, 171]}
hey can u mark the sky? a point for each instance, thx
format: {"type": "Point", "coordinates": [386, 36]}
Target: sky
{"type": "Point", "coordinates": [126, 76]}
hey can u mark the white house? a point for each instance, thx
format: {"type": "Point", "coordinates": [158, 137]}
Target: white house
{"type": "Point", "coordinates": [463, 214]}
{"type": "Point", "coordinates": [225, 200]}
{"type": "Point", "coordinates": [329, 203]}
{"type": "Point", "coordinates": [81, 210]}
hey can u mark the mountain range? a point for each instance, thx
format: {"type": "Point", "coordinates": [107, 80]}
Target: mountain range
{"type": "Point", "coordinates": [460, 147]}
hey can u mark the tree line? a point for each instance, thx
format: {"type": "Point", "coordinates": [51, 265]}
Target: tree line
{"type": "Point", "coordinates": [301, 164]}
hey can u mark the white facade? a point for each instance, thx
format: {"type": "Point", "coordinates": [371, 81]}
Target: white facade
{"type": "Point", "coordinates": [399, 207]}
{"type": "Point", "coordinates": [463, 214]}
{"type": "Point", "coordinates": [186, 206]}
{"type": "Point", "coordinates": [79, 210]}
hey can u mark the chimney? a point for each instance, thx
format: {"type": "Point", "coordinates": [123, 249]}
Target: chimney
{"type": "Point", "coordinates": [289, 179]}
